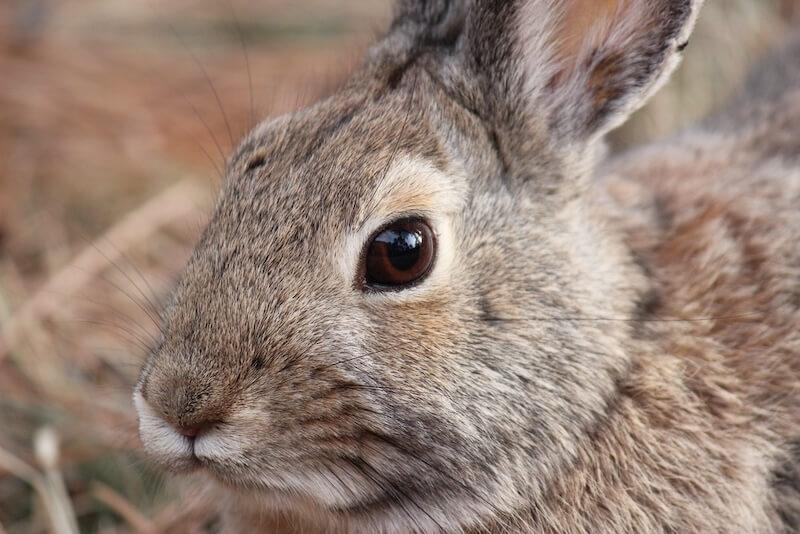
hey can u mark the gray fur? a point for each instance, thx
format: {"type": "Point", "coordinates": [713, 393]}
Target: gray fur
{"type": "Point", "coordinates": [618, 354]}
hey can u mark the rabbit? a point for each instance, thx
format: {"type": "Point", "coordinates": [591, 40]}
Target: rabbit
{"type": "Point", "coordinates": [432, 302]}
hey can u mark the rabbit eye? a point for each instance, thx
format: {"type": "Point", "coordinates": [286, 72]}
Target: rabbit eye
{"type": "Point", "coordinates": [399, 255]}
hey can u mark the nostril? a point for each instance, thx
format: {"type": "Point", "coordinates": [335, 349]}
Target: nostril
{"type": "Point", "coordinates": [189, 408]}
{"type": "Point", "coordinates": [190, 432]}
{"type": "Point", "coordinates": [193, 430]}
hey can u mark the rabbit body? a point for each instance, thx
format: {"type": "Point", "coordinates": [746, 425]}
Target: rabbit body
{"type": "Point", "coordinates": [600, 346]}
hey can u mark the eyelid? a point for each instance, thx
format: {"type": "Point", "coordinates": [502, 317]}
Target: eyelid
{"type": "Point", "coordinates": [378, 224]}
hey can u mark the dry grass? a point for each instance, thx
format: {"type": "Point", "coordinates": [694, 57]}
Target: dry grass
{"type": "Point", "coordinates": [111, 139]}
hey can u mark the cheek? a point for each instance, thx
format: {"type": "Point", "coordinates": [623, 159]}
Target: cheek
{"type": "Point", "coordinates": [421, 341]}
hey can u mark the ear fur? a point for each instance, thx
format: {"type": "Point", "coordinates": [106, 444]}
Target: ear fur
{"type": "Point", "coordinates": [604, 60]}
{"type": "Point", "coordinates": [432, 22]}
{"type": "Point", "coordinates": [581, 65]}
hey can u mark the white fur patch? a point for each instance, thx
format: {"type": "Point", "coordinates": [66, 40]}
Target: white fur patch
{"type": "Point", "coordinates": [217, 446]}
{"type": "Point", "coordinates": [159, 438]}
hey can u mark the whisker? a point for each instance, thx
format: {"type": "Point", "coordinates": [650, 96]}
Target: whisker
{"type": "Point", "coordinates": [207, 78]}
{"type": "Point", "coordinates": [741, 317]}
{"type": "Point", "coordinates": [146, 341]}
{"type": "Point", "coordinates": [132, 335]}
{"type": "Point", "coordinates": [155, 319]}
{"type": "Point", "coordinates": [246, 62]}
{"type": "Point", "coordinates": [406, 122]}
{"type": "Point", "coordinates": [153, 311]}
{"type": "Point", "coordinates": [220, 170]}
{"type": "Point", "coordinates": [156, 76]}
{"type": "Point", "coordinates": [151, 295]}
{"type": "Point", "coordinates": [112, 310]}
{"type": "Point", "coordinates": [364, 355]}
{"type": "Point", "coordinates": [396, 445]}
{"type": "Point", "coordinates": [395, 488]}
{"type": "Point", "coordinates": [358, 464]}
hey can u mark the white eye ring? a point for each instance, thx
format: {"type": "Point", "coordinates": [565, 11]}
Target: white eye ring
{"type": "Point", "coordinates": [412, 188]}
{"type": "Point", "coordinates": [351, 262]}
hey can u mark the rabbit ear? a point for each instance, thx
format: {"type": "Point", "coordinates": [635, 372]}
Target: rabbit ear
{"type": "Point", "coordinates": [582, 65]}
{"type": "Point", "coordinates": [604, 58]}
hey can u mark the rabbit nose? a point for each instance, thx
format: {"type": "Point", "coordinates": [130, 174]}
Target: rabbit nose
{"type": "Point", "coordinates": [189, 431]}
{"type": "Point", "coordinates": [189, 406]}
{"type": "Point", "coordinates": [193, 414]}
{"type": "Point", "coordinates": [192, 430]}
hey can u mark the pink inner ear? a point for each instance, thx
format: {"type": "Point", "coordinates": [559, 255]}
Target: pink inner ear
{"type": "Point", "coordinates": [582, 19]}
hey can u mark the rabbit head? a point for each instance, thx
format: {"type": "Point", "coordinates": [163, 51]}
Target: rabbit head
{"type": "Point", "coordinates": [386, 317]}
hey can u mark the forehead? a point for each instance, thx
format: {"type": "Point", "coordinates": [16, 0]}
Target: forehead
{"type": "Point", "coordinates": [329, 172]}
{"type": "Point", "coordinates": [327, 161]}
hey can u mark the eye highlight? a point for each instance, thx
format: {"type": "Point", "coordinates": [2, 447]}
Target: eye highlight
{"type": "Point", "coordinates": [399, 255]}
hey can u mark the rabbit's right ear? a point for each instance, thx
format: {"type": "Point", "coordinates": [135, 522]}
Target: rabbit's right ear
{"type": "Point", "coordinates": [579, 66]}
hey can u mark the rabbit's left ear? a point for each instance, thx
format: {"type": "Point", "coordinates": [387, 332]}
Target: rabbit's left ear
{"type": "Point", "coordinates": [582, 65]}
{"type": "Point", "coordinates": [605, 57]}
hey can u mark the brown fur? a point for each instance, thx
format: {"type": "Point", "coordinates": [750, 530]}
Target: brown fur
{"type": "Point", "coordinates": [609, 350]}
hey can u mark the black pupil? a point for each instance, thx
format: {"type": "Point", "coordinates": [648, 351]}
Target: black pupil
{"type": "Point", "coordinates": [402, 247]}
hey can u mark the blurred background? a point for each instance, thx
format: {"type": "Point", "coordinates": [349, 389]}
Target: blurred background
{"type": "Point", "coordinates": [115, 118]}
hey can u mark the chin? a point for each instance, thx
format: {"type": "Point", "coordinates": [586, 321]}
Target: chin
{"type": "Point", "coordinates": [324, 497]}
{"type": "Point", "coordinates": [309, 515]}
{"type": "Point", "coordinates": [256, 504]}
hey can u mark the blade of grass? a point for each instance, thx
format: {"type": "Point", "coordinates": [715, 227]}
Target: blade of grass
{"type": "Point", "coordinates": [178, 202]}
{"type": "Point", "coordinates": [123, 508]}
{"type": "Point", "coordinates": [27, 473]}
{"type": "Point", "coordinates": [46, 448]}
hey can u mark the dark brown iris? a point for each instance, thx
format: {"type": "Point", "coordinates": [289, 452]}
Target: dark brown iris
{"type": "Point", "coordinates": [399, 255]}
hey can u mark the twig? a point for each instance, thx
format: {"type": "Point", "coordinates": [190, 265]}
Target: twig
{"type": "Point", "coordinates": [23, 471]}
{"type": "Point", "coordinates": [46, 447]}
{"type": "Point", "coordinates": [18, 468]}
{"type": "Point", "coordinates": [123, 508]}
{"type": "Point", "coordinates": [195, 506]}
{"type": "Point", "coordinates": [178, 202]}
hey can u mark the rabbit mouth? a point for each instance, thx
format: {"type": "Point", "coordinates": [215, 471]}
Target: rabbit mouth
{"type": "Point", "coordinates": [176, 451]}
{"type": "Point", "coordinates": [310, 487]}
{"type": "Point", "coordinates": [340, 486]}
